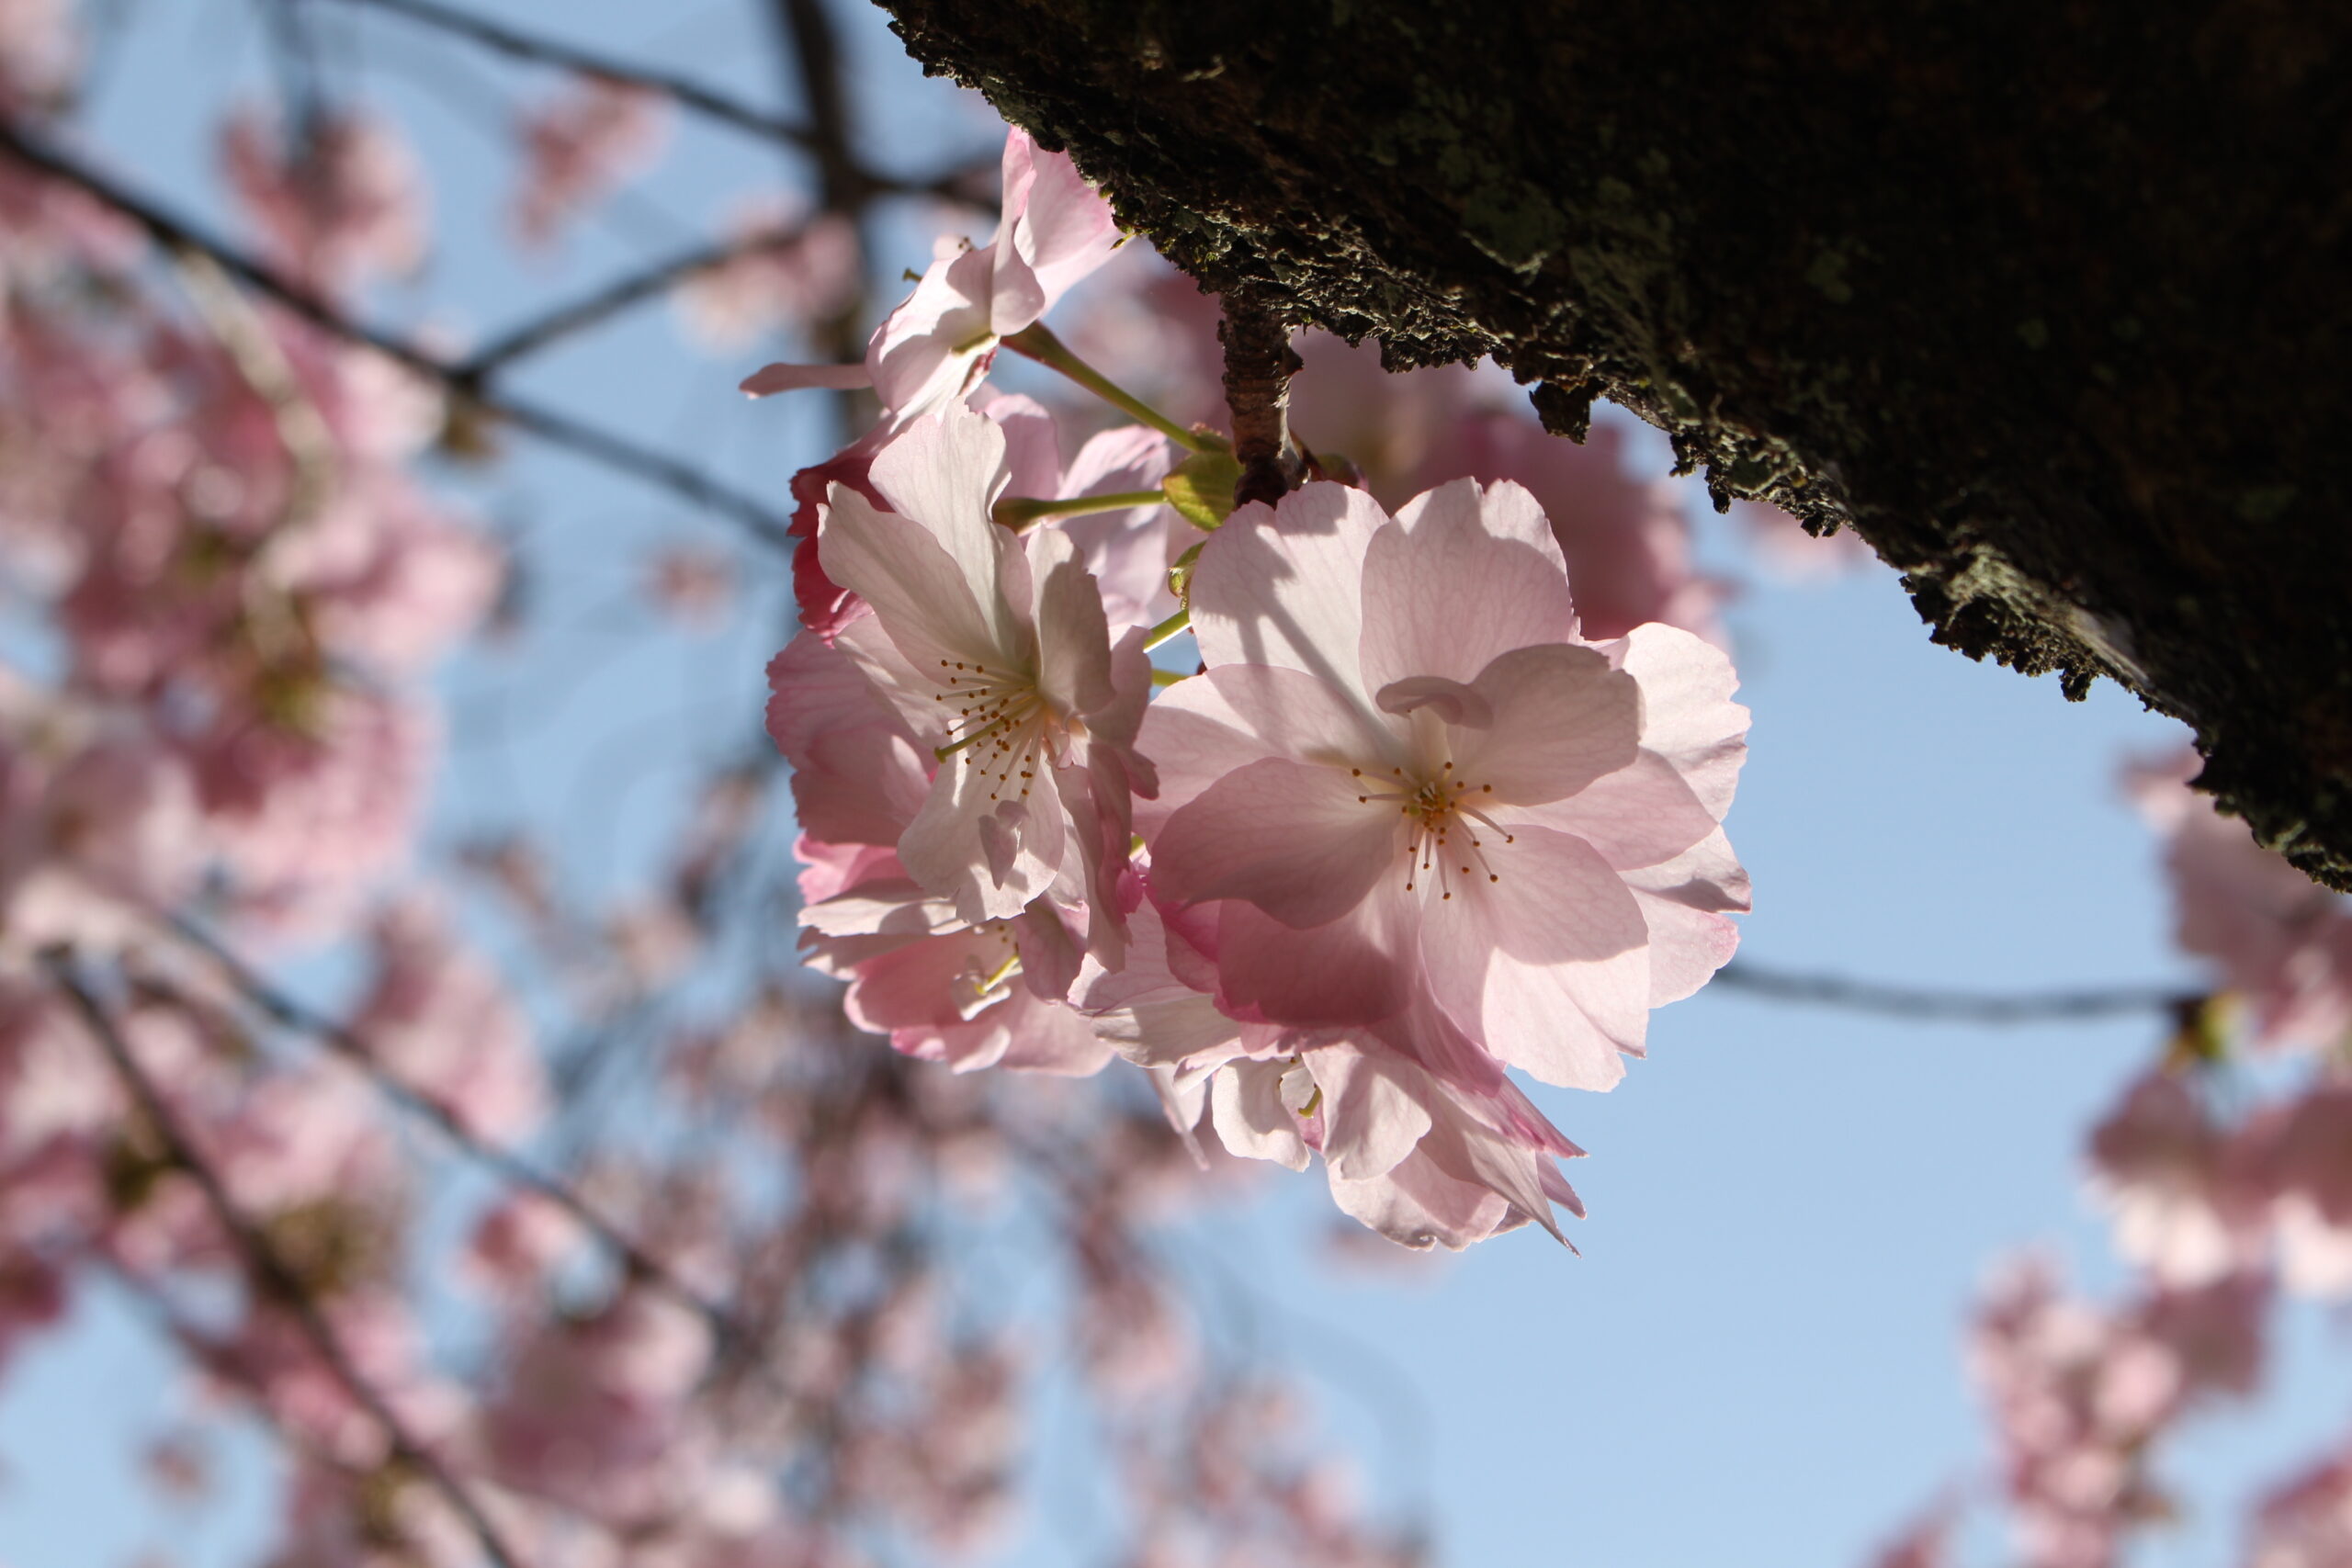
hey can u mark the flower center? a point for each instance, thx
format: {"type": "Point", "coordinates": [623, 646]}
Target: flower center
{"type": "Point", "coordinates": [1003, 724]}
{"type": "Point", "coordinates": [1444, 813]}
{"type": "Point", "coordinates": [978, 986]}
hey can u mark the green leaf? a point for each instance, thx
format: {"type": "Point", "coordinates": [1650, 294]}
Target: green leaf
{"type": "Point", "coordinates": [1201, 488]}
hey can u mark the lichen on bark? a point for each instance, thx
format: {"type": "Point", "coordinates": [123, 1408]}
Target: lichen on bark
{"type": "Point", "coordinates": [2050, 302]}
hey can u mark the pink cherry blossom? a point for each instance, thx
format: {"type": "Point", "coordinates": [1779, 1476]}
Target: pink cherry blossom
{"type": "Point", "coordinates": [594, 1412]}
{"type": "Point", "coordinates": [438, 1020]}
{"type": "Point", "coordinates": [998, 658]}
{"type": "Point", "coordinates": [2162, 1165]}
{"type": "Point", "coordinates": [581, 145]}
{"type": "Point", "coordinates": [38, 51]}
{"type": "Point", "coordinates": [971, 994]}
{"type": "Point", "coordinates": [1626, 540]}
{"type": "Point", "coordinates": [1129, 552]}
{"type": "Point", "coordinates": [2300, 1154]}
{"type": "Point", "coordinates": [309, 815]}
{"type": "Point", "coordinates": [1425, 1140]}
{"type": "Point", "coordinates": [2079, 1394]}
{"type": "Point", "coordinates": [946, 991]}
{"type": "Point", "coordinates": [937, 345]}
{"type": "Point", "coordinates": [344, 201]}
{"type": "Point", "coordinates": [2306, 1521]}
{"type": "Point", "coordinates": [809, 271]}
{"type": "Point", "coordinates": [2282, 943]}
{"type": "Point", "coordinates": [1926, 1542]}
{"type": "Point", "coordinates": [100, 842]}
{"type": "Point", "coordinates": [1403, 770]}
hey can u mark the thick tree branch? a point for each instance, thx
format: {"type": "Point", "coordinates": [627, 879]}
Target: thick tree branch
{"type": "Point", "coordinates": [1258, 363]}
{"type": "Point", "coordinates": [2049, 302]}
{"type": "Point", "coordinates": [268, 1273]}
{"type": "Point", "coordinates": [614, 451]}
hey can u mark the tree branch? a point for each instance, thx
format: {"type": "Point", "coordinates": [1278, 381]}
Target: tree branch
{"type": "Point", "coordinates": [805, 30]}
{"type": "Point", "coordinates": [287, 1013]}
{"type": "Point", "coordinates": [594, 309]}
{"type": "Point", "coordinates": [614, 451]}
{"type": "Point", "coordinates": [2047, 301]}
{"type": "Point", "coordinates": [1923, 1004]}
{"type": "Point", "coordinates": [268, 1273]}
{"type": "Point", "coordinates": [518, 45]}
{"type": "Point", "coordinates": [1258, 363]}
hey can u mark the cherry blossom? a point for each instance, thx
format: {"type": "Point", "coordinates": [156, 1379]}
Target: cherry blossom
{"type": "Point", "coordinates": [334, 203]}
{"type": "Point", "coordinates": [1403, 772]}
{"type": "Point", "coordinates": [2079, 1395]}
{"type": "Point", "coordinates": [1004, 663]}
{"type": "Point", "coordinates": [971, 994]}
{"type": "Point", "coordinates": [580, 145]}
{"type": "Point", "coordinates": [440, 1021]}
{"type": "Point", "coordinates": [2306, 1521]}
{"type": "Point", "coordinates": [2164, 1165]}
{"type": "Point", "coordinates": [937, 345]}
{"type": "Point", "coordinates": [806, 272]}
{"type": "Point", "coordinates": [2282, 942]}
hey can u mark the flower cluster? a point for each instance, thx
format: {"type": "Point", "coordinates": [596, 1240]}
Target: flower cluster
{"type": "Point", "coordinates": [2078, 1396]}
{"type": "Point", "coordinates": [1412, 822]}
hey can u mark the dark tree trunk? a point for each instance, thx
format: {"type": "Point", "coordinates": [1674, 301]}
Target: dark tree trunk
{"type": "Point", "coordinates": [2048, 300]}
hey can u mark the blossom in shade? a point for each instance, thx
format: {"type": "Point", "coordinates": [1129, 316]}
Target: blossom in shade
{"type": "Point", "coordinates": [1423, 1137]}
{"type": "Point", "coordinates": [970, 995]}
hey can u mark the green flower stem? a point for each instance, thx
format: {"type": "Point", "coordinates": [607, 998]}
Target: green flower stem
{"type": "Point", "coordinates": [1017, 511]}
{"type": "Point", "coordinates": [1036, 341]}
{"type": "Point", "coordinates": [1168, 630]}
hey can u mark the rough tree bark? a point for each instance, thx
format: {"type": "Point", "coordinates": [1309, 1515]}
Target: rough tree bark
{"type": "Point", "coordinates": [2048, 300]}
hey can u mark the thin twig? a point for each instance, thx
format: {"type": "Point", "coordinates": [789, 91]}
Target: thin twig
{"type": "Point", "coordinates": [292, 51]}
{"type": "Point", "coordinates": [1931, 1004]}
{"type": "Point", "coordinates": [287, 1013]}
{"type": "Point", "coordinates": [817, 60]}
{"type": "Point", "coordinates": [518, 45]}
{"type": "Point", "coordinates": [592, 309]}
{"type": "Point", "coordinates": [269, 1272]}
{"type": "Point", "coordinates": [804, 32]}
{"type": "Point", "coordinates": [614, 451]}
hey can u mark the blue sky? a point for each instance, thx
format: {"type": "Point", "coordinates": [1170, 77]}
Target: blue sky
{"type": "Point", "coordinates": [1755, 1360]}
